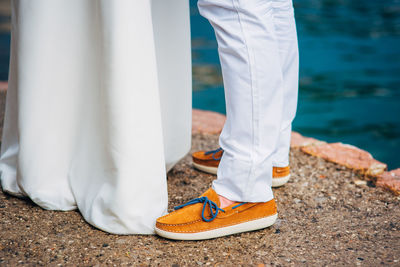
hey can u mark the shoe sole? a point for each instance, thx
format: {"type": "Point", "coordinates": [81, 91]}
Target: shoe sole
{"type": "Point", "coordinates": [224, 231]}
{"type": "Point", "coordinates": [276, 182]}
{"type": "Point", "coordinates": [211, 170]}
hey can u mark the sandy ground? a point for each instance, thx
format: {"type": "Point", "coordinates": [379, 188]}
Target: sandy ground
{"type": "Point", "coordinates": [325, 218]}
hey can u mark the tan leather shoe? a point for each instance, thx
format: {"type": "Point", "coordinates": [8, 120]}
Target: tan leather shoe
{"type": "Point", "coordinates": [201, 218]}
{"type": "Point", "coordinates": [208, 161]}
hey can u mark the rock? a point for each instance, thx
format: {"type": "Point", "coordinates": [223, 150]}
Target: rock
{"type": "Point", "coordinates": [349, 156]}
{"type": "Point", "coordinates": [360, 182]}
{"type": "Point", "coordinates": [298, 141]}
{"type": "Point", "coordinates": [3, 85]}
{"type": "Point", "coordinates": [390, 181]}
{"type": "Point", "coordinates": [207, 122]}
{"type": "Point", "coordinates": [320, 199]}
{"type": "Point", "coordinates": [121, 241]}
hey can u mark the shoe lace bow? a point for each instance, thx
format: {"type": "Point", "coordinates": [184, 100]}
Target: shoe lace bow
{"type": "Point", "coordinates": [213, 207]}
{"type": "Point", "coordinates": [214, 152]}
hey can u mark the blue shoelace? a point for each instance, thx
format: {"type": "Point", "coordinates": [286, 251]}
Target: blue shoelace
{"type": "Point", "coordinates": [214, 152]}
{"type": "Point", "coordinates": [214, 209]}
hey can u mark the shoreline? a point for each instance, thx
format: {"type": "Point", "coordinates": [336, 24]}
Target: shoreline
{"type": "Point", "coordinates": [349, 156]}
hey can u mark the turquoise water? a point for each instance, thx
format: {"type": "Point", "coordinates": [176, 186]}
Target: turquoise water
{"type": "Point", "coordinates": [349, 73]}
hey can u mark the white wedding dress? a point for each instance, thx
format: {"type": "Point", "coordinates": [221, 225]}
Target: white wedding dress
{"type": "Point", "coordinates": [98, 107]}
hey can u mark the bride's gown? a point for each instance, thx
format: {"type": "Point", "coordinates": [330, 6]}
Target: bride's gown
{"type": "Point", "coordinates": [98, 106]}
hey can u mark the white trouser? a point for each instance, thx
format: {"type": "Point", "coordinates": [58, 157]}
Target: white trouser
{"type": "Point", "coordinates": [257, 45]}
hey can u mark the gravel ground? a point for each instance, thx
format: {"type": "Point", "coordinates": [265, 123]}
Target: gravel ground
{"type": "Point", "coordinates": [327, 216]}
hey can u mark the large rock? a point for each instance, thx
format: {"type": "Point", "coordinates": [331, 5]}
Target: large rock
{"type": "Point", "coordinates": [349, 156]}
{"type": "Point", "coordinates": [390, 181]}
{"type": "Point", "coordinates": [299, 141]}
{"type": "Point", "coordinates": [3, 85]}
{"type": "Point", "coordinates": [207, 122]}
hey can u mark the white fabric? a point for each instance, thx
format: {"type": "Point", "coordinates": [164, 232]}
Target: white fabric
{"type": "Point", "coordinates": [84, 125]}
{"type": "Point", "coordinates": [258, 52]}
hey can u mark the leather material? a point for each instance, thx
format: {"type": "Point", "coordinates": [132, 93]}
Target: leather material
{"type": "Point", "coordinates": [201, 158]}
{"type": "Point", "coordinates": [189, 220]}
{"type": "Point", "coordinates": [279, 172]}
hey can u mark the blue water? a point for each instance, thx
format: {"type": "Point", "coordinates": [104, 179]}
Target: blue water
{"type": "Point", "coordinates": [349, 72]}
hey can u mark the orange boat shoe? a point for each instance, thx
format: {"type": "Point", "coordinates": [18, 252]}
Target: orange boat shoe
{"type": "Point", "coordinates": [201, 218]}
{"type": "Point", "coordinates": [208, 161]}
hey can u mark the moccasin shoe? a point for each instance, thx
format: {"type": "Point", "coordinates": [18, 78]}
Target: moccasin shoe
{"type": "Point", "coordinates": [201, 218]}
{"type": "Point", "coordinates": [280, 176]}
{"type": "Point", "coordinates": [208, 161]}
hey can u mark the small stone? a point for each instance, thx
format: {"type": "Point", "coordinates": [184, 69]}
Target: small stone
{"type": "Point", "coordinates": [320, 199]}
{"type": "Point", "coordinates": [360, 182]}
{"type": "Point", "coordinates": [121, 241]}
{"type": "Point", "coordinates": [278, 223]}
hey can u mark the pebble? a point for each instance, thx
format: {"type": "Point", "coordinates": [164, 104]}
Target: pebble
{"type": "Point", "coordinates": [319, 199]}
{"type": "Point", "coordinates": [360, 182]}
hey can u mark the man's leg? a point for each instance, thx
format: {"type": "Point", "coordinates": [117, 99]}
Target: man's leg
{"type": "Point", "coordinates": [285, 28]}
{"type": "Point", "coordinates": [251, 68]}
{"type": "Point", "coordinates": [252, 72]}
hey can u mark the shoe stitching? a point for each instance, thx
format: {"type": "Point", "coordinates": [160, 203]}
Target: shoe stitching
{"type": "Point", "coordinates": [170, 214]}
{"type": "Point", "coordinates": [216, 227]}
{"type": "Point", "coordinates": [213, 207]}
{"type": "Point", "coordinates": [199, 220]}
